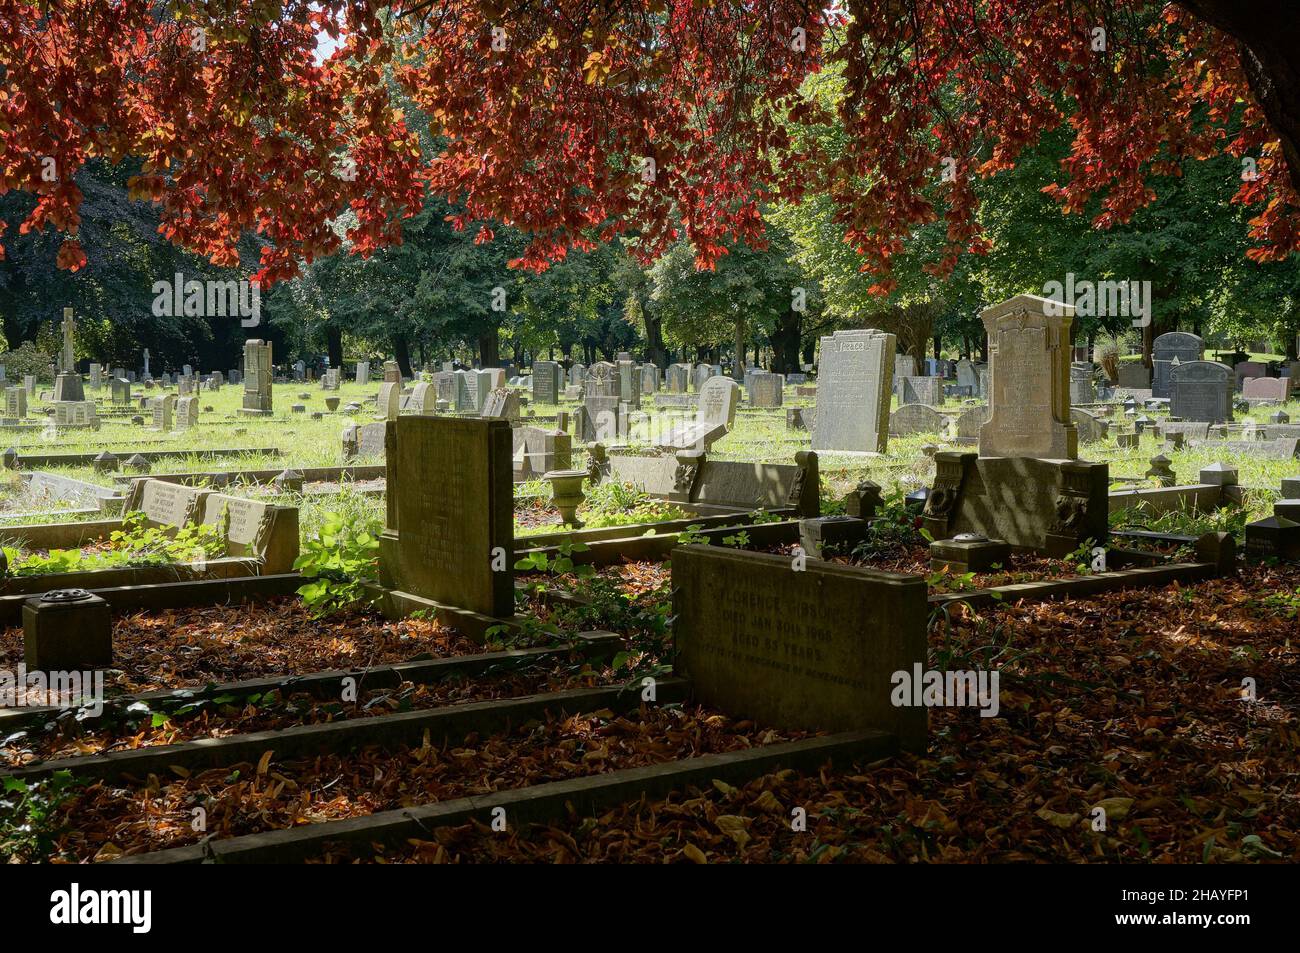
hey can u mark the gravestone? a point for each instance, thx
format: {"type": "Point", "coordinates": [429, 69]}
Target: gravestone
{"type": "Point", "coordinates": [449, 527]}
{"type": "Point", "coordinates": [187, 412]}
{"type": "Point", "coordinates": [422, 399]}
{"type": "Point", "coordinates": [392, 373]}
{"type": "Point", "coordinates": [120, 388]}
{"type": "Point", "coordinates": [166, 504]}
{"type": "Point", "coordinates": [602, 380]}
{"type": "Point", "coordinates": [363, 372]}
{"type": "Point", "coordinates": [1029, 380]}
{"type": "Point", "coordinates": [1089, 427]}
{"type": "Point", "coordinates": [1082, 389]}
{"type": "Point", "coordinates": [714, 417]}
{"type": "Point", "coordinates": [1201, 390]}
{"type": "Point", "coordinates": [968, 379]}
{"type": "Point", "coordinates": [67, 385]}
{"type": "Point", "coordinates": [816, 649]}
{"type": "Point", "coordinates": [390, 399]}
{"type": "Point", "coordinates": [257, 376]}
{"type": "Point", "coordinates": [163, 410]}
{"type": "Point", "coordinates": [444, 385]}
{"type": "Point", "coordinates": [501, 404]}
{"type": "Point", "coordinates": [1134, 375]}
{"type": "Point", "coordinates": [649, 378]}
{"type": "Point", "coordinates": [29, 382]}
{"type": "Point", "coordinates": [330, 379]}
{"type": "Point", "coordinates": [1245, 370]}
{"type": "Point", "coordinates": [1174, 346]}
{"type": "Point", "coordinates": [917, 418]}
{"type": "Point", "coordinates": [601, 419]}
{"type": "Point", "coordinates": [678, 378]}
{"type": "Point", "coordinates": [15, 403]}
{"type": "Point", "coordinates": [629, 384]}
{"type": "Point", "coordinates": [1267, 388]}
{"type": "Point", "coordinates": [96, 376]}
{"type": "Point", "coordinates": [472, 388]}
{"type": "Point", "coordinates": [970, 422]}
{"type": "Point", "coordinates": [577, 374]}
{"type": "Point", "coordinates": [765, 389]}
{"type": "Point", "coordinates": [536, 451]}
{"type": "Point", "coordinates": [921, 390]}
{"type": "Point", "coordinates": [254, 529]}
{"type": "Point", "coordinates": [701, 374]}
{"type": "Point", "coordinates": [853, 391]}
{"type": "Point", "coordinates": [75, 413]}
{"type": "Point", "coordinates": [546, 382]}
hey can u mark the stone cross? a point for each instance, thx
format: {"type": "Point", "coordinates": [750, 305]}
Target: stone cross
{"type": "Point", "coordinates": [146, 360]}
{"type": "Point", "coordinates": [69, 326]}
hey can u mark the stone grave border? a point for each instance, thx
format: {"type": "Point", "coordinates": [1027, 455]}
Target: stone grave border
{"type": "Point", "coordinates": [328, 682]}
{"type": "Point", "coordinates": [41, 460]}
{"type": "Point", "coordinates": [587, 796]}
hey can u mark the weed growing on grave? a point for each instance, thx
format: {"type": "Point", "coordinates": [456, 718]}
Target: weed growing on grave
{"type": "Point", "coordinates": [1283, 603]}
{"type": "Point", "coordinates": [611, 503]}
{"type": "Point", "coordinates": [28, 827]}
{"type": "Point", "coordinates": [691, 536]}
{"type": "Point", "coordinates": [894, 531]}
{"type": "Point", "coordinates": [134, 545]}
{"type": "Point", "coordinates": [737, 540]}
{"type": "Point", "coordinates": [338, 560]}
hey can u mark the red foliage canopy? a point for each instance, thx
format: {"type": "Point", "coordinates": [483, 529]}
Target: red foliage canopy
{"type": "Point", "coordinates": [576, 120]}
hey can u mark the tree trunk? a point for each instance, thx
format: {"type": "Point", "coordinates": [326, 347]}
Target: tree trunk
{"type": "Point", "coordinates": [656, 353]}
{"type": "Point", "coordinates": [785, 342]}
{"type": "Point", "coordinates": [1267, 34]}
{"type": "Point", "coordinates": [489, 347]}
{"type": "Point", "coordinates": [738, 371]}
{"type": "Point", "coordinates": [402, 351]}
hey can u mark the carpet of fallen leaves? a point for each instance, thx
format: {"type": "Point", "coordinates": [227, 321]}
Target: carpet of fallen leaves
{"type": "Point", "coordinates": [278, 709]}
{"type": "Point", "coordinates": [1131, 702]}
{"type": "Point", "coordinates": [108, 819]}
{"type": "Point", "coordinates": [187, 647]}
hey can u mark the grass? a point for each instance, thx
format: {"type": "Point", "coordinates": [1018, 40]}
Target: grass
{"type": "Point", "coordinates": [757, 436]}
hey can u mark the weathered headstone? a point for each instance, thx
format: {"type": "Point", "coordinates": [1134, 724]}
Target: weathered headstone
{"type": "Point", "coordinates": [1165, 350]}
{"type": "Point", "coordinates": [1029, 349]}
{"type": "Point", "coordinates": [917, 418]}
{"type": "Point", "coordinates": [15, 402]}
{"type": "Point", "coordinates": [714, 417]}
{"type": "Point", "coordinates": [1267, 388]}
{"type": "Point", "coordinates": [765, 389]}
{"type": "Point", "coordinates": [390, 399]}
{"type": "Point", "coordinates": [449, 533]}
{"type": "Point", "coordinates": [1201, 390]}
{"type": "Point", "coordinates": [546, 382]}
{"type": "Point", "coordinates": [678, 378]}
{"type": "Point", "coordinates": [853, 391]}
{"type": "Point", "coordinates": [921, 390]}
{"type": "Point", "coordinates": [258, 372]}
{"type": "Point", "coordinates": [817, 649]}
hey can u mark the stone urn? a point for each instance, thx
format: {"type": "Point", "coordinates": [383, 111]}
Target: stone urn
{"type": "Point", "coordinates": [566, 493]}
{"type": "Point", "coordinates": [332, 404]}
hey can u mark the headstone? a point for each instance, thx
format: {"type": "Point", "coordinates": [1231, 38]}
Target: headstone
{"type": "Point", "coordinates": [1201, 391]}
{"type": "Point", "coordinates": [629, 384]}
{"type": "Point", "coordinates": [1245, 370]}
{"type": "Point", "coordinates": [546, 382]}
{"type": "Point", "coordinates": [253, 529]}
{"type": "Point", "coordinates": [163, 409]}
{"type": "Point", "coordinates": [1175, 346]}
{"type": "Point", "coordinates": [472, 388]}
{"type": "Point", "coordinates": [29, 382]}
{"type": "Point", "coordinates": [257, 378]}
{"type": "Point", "coordinates": [15, 403]}
{"type": "Point", "coordinates": [601, 419]}
{"type": "Point", "coordinates": [392, 373]}
{"type": "Point", "coordinates": [917, 418]}
{"type": "Point", "coordinates": [701, 374]}
{"type": "Point", "coordinates": [449, 533]}
{"type": "Point", "coordinates": [853, 391]}
{"type": "Point", "coordinates": [330, 380]}
{"type": "Point", "coordinates": [818, 649]}
{"type": "Point", "coordinates": [1082, 389]}
{"type": "Point", "coordinates": [1267, 388]}
{"type": "Point", "coordinates": [714, 417]}
{"type": "Point", "coordinates": [422, 400]}
{"type": "Point", "coordinates": [96, 376]}
{"type": "Point", "coordinates": [649, 378]}
{"type": "Point", "coordinates": [187, 412]}
{"type": "Point", "coordinates": [678, 378]}
{"type": "Point", "coordinates": [765, 389]}
{"type": "Point", "coordinates": [444, 385]}
{"type": "Point", "coordinates": [1029, 390]}
{"type": "Point", "coordinates": [1134, 375]}
{"type": "Point", "coordinates": [1089, 427]}
{"type": "Point", "coordinates": [390, 399]}
{"type": "Point", "coordinates": [921, 390]}
{"type": "Point", "coordinates": [501, 404]}
{"type": "Point", "coordinates": [968, 379]}
{"type": "Point", "coordinates": [75, 413]}
{"type": "Point", "coordinates": [970, 422]}
{"type": "Point", "coordinates": [363, 372]}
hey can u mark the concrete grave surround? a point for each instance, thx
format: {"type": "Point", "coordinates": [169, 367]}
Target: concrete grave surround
{"type": "Point", "coordinates": [854, 382]}
{"type": "Point", "coordinates": [815, 649]}
{"type": "Point", "coordinates": [450, 512]}
{"type": "Point", "coordinates": [1201, 391]}
{"type": "Point", "coordinates": [1029, 351]}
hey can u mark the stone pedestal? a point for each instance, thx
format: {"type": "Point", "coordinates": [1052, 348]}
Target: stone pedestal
{"type": "Point", "coordinates": [825, 536]}
{"type": "Point", "coordinates": [67, 386]}
{"type": "Point", "coordinates": [968, 552]}
{"type": "Point", "coordinates": [67, 630]}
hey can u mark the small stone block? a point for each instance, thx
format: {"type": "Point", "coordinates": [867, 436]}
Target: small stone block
{"type": "Point", "coordinates": [1276, 537]}
{"type": "Point", "coordinates": [1219, 474]}
{"type": "Point", "coordinates": [831, 535]}
{"type": "Point", "coordinates": [1219, 549]}
{"type": "Point", "coordinates": [968, 552]}
{"type": "Point", "coordinates": [67, 630]}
